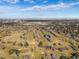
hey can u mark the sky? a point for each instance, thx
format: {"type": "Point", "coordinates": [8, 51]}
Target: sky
{"type": "Point", "coordinates": [39, 9]}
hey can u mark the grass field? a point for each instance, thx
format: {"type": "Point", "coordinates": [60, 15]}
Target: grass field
{"type": "Point", "coordinates": [39, 40]}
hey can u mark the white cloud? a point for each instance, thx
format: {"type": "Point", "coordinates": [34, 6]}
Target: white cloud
{"type": "Point", "coordinates": [30, 1]}
{"type": "Point", "coordinates": [50, 7]}
{"type": "Point", "coordinates": [47, 7]}
{"type": "Point", "coordinates": [74, 3]}
{"type": "Point", "coordinates": [12, 1]}
{"type": "Point", "coordinates": [9, 9]}
{"type": "Point", "coordinates": [18, 11]}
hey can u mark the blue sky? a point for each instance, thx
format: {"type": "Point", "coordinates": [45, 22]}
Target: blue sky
{"type": "Point", "coordinates": [39, 9]}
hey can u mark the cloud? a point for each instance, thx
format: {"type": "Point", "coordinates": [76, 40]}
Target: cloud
{"type": "Point", "coordinates": [51, 7]}
{"type": "Point", "coordinates": [10, 1]}
{"type": "Point", "coordinates": [47, 7]}
{"type": "Point", "coordinates": [30, 1]}
{"type": "Point", "coordinates": [72, 4]}
{"type": "Point", "coordinates": [9, 9]}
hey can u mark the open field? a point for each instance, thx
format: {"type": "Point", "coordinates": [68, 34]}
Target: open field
{"type": "Point", "coordinates": [39, 39]}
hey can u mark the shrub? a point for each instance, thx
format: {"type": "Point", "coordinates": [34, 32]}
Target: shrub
{"type": "Point", "coordinates": [40, 44]}
{"type": "Point", "coordinates": [11, 51]}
